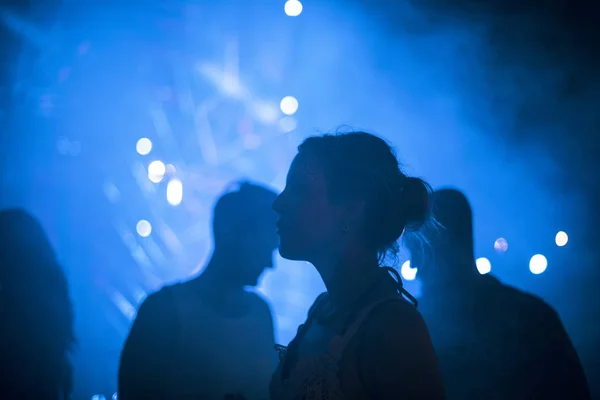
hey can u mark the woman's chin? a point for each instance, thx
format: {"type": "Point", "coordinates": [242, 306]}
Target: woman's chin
{"type": "Point", "coordinates": [290, 253]}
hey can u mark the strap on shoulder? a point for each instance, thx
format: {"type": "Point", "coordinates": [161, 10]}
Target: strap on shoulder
{"type": "Point", "coordinates": [339, 343]}
{"type": "Point", "coordinates": [401, 289]}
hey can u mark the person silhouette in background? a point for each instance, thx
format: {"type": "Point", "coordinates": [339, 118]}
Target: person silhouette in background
{"type": "Point", "coordinates": [493, 341]}
{"type": "Point", "coordinates": [345, 204]}
{"type": "Point", "coordinates": [209, 337]}
{"type": "Point", "coordinates": [36, 313]}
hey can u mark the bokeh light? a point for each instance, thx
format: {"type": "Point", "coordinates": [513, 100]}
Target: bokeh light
{"type": "Point", "coordinates": [174, 192]}
{"type": "Point", "coordinates": [289, 105]}
{"type": "Point", "coordinates": [501, 245]}
{"type": "Point", "coordinates": [561, 239]}
{"type": "Point", "coordinates": [538, 264]}
{"type": "Point", "coordinates": [484, 266]}
{"type": "Point", "coordinates": [407, 271]}
{"type": "Point", "coordinates": [143, 228]}
{"type": "Point", "coordinates": [293, 8]}
{"type": "Point", "coordinates": [143, 146]}
{"type": "Point", "coordinates": [287, 124]}
{"type": "Point", "coordinates": [156, 171]}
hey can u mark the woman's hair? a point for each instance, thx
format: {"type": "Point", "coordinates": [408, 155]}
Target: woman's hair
{"type": "Point", "coordinates": [358, 165]}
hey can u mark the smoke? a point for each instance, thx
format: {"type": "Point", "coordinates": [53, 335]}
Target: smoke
{"type": "Point", "coordinates": [534, 78]}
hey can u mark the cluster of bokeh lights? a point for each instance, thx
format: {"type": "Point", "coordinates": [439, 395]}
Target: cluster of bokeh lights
{"type": "Point", "coordinates": [157, 170]}
{"type": "Point", "coordinates": [537, 263]}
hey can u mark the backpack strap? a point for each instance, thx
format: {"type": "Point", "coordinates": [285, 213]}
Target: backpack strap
{"type": "Point", "coordinates": [339, 343]}
{"type": "Point", "coordinates": [287, 354]}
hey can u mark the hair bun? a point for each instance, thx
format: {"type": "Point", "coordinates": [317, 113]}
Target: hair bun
{"type": "Point", "coordinates": [416, 202]}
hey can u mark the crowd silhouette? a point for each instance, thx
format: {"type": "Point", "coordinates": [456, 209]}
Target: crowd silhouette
{"type": "Point", "coordinates": [345, 205]}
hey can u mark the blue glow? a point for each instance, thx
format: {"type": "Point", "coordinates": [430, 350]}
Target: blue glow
{"type": "Point", "coordinates": [407, 271]}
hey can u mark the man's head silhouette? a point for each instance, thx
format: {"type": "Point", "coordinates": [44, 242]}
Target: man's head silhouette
{"type": "Point", "coordinates": [245, 235]}
{"type": "Point", "coordinates": [448, 256]}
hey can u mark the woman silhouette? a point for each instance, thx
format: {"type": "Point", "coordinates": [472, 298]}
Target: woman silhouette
{"type": "Point", "coordinates": [345, 205]}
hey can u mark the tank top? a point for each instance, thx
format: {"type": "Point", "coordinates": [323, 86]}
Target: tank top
{"type": "Point", "coordinates": [215, 355]}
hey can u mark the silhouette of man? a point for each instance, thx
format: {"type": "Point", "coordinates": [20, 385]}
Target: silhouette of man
{"type": "Point", "coordinates": [209, 337]}
{"type": "Point", "coordinates": [493, 341]}
{"type": "Point", "coordinates": [36, 314]}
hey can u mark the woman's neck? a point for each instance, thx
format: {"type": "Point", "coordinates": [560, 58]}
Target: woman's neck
{"type": "Point", "coordinates": [347, 277]}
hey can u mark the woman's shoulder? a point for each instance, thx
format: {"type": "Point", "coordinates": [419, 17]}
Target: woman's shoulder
{"type": "Point", "coordinates": [396, 352]}
{"type": "Point", "coordinates": [318, 303]}
{"type": "Point", "coordinates": [396, 307]}
{"type": "Point", "coordinates": [392, 320]}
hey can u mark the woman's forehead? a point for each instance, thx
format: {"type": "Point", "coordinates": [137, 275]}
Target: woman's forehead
{"type": "Point", "coordinates": [306, 167]}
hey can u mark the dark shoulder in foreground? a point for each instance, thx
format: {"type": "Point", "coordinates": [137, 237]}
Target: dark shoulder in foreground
{"type": "Point", "coordinates": [395, 314]}
{"type": "Point", "coordinates": [161, 300]}
{"type": "Point", "coordinates": [397, 353]}
{"type": "Point", "coordinates": [553, 362]}
{"type": "Point", "coordinates": [528, 309]}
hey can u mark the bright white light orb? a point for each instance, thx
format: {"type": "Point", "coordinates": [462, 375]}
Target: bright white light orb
{"type": "Point", "coordinates": [143, 146]}
{"type": "Point", "coordinates": [501, 245]}
{"type": "Point", "coordinates": [484, 266]}
{"type": "Point", "coordinates": [143, 228]}
{"type": "Point", "coordinates": [174, 192]}
{"type": "Point", "coordinates": [98, 397]}
{"type": "Point", "coordinates": [293, 8]}
{"type": "Point", "coordinates": [289, 105]}
{"type": "Point", "coordinates": [156, 171]}
{"type": "Point", "coordinates": [407, 271]}
{"type": "Point", "coordinates": [538, 264]}
{"type": "Point", "coordinates": [561, 239]}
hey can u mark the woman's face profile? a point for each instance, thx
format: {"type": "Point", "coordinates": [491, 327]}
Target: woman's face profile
{"type": "Point", "coordinates": [308, 222]}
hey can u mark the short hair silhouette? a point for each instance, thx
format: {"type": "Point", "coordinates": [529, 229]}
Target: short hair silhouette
{"type": "Point", "coordinates": [453, 212]}
{"type": "Point", "coordinates": [244, 209]}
